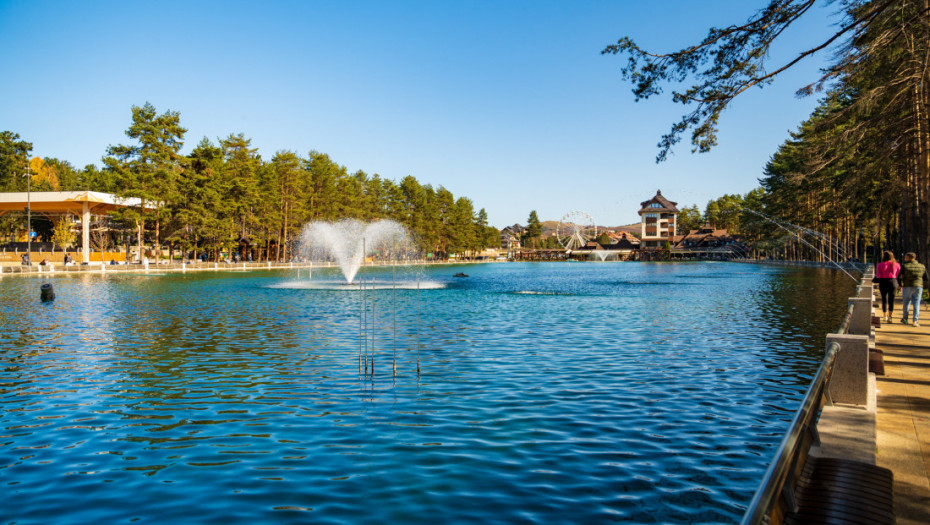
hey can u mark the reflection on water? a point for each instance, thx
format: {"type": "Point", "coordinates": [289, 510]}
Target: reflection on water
{"type": "Point", "coordinates": [549, 393]}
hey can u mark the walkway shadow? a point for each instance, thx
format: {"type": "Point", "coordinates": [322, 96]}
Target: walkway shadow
{"type": "Point", "coordinates": [912, 509]}
{"type": "Point", "coordinates": [907, 361]}
{"type": "Point", "coordinates": [884, 379]}
{"type": "Point", "coordinates": [904, 405]}
{"type": "Point", "coordinates": [885, 331]}
{"type": "Point", "coordinates": [901, 346]}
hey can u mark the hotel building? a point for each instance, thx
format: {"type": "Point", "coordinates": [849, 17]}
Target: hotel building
{"type": "Point", "coordinates": [659, 218]}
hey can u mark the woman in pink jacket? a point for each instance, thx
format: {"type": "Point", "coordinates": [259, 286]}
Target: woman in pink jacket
{"type": "Point", "coordinates": [887, 276]}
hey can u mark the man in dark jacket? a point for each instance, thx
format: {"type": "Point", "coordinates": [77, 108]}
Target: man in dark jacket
{"type": "Point", "coordinates": [913, 275]}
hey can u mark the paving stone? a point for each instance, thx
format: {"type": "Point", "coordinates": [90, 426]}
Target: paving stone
{"type": "Point", "coordinates": [903, 417]}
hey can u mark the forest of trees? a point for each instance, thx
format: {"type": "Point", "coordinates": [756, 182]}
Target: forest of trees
{"type": "Point", "coordinates": [859, 168]}
{"type": "Point", "coordinates": [225, 197]}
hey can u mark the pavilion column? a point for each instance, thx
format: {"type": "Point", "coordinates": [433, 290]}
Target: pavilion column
{"type": "Point", "coordinates": [85, 233]}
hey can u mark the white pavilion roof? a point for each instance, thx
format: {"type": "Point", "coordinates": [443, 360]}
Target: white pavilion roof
{"type": "Point", "coordinates": [64, 201]}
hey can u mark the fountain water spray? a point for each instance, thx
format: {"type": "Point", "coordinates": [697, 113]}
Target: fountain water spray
{"type": "Point", "coordinates": [833, 243]}
{"type": "Point", "coordinates": [349, 241]}
{"type": "Point", "coordinates": [799, 231]}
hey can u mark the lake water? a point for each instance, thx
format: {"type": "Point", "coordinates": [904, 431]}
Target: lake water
{"type": "Point", "coordinates": [547, 393]}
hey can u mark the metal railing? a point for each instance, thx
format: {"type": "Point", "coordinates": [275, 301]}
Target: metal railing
{"type": "Point", "coordinates": [786, 457]}
{"type": "Point", "coordinates": [844, 328]}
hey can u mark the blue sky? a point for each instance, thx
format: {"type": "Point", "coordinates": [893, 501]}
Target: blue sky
{"type": "Point", "coordinates": [509, 103]}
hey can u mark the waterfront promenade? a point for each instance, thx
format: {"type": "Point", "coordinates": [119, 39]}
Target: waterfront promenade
{"type": "Point", "coordinates": [37, 270]}
{"type": "Point", "coordinates": [903, 416]}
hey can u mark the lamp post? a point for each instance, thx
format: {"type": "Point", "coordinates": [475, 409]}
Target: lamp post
{"type": "Point", "coordinates": [28, 176]}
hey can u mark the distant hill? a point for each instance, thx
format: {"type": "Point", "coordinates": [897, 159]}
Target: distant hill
{"type": "Point", "coordinates": [635, 228]}
{"type": "Point", "coordinates": [549, 228]}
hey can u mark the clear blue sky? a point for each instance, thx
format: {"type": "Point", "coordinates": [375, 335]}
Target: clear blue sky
{"type": "Point", "coordinates": [509, 103]}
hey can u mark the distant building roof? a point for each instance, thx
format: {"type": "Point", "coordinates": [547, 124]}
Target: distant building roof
{"type": "Point", "coordinates": [665, 204]}
{"type": "Point", "coordinates": [626, 242]}
{"type": "Point", "coordinates": [707, 236]}
{"type": "Point", "coordinates": [591, 245]}
{"type": "Point", "coordinates": [629, 236]}
{"type": "Point", "coordinates": [621, 235]}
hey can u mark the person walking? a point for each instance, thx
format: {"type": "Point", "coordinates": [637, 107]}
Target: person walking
{"type": "Point", "coordinates": [887, 276]}
{"type": "Point", "coordinates": [913, 275]}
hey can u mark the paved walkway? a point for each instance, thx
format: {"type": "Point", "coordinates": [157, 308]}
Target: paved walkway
{"type": "Point", "coordinates": [903, 418]}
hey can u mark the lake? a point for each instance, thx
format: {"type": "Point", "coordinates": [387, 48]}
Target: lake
{"type": "Point", "coordinates": [547, 393]}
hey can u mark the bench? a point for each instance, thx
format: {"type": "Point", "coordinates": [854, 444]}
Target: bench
{"type": "Point", "coordinates": [800, 488]}
{"type": "Point", "coordinates": [834, 490]}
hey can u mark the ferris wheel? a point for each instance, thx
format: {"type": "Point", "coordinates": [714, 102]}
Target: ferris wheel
{"type": "Point", "coordinates": [575, 230]}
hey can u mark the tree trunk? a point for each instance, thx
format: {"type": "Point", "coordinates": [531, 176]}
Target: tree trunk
{"type": "Point", "coordinates": [140, 227]}
{"type": "Point", "coordinates": [285, 232]}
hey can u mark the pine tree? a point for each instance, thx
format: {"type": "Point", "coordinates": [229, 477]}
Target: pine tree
{"type": "Point", "coordinates": [489, 237]}
{"type": "Point", "coordinates": [240, 174]}
{"type": "Point", "coordinates": [462, 225]}
{"type": "Point", "coordinates": [14, 158]}
{"type": "Point", "coordinates": [290, 189]}
{"type": "Point", "coordinates": [533, 229]}
{"type": "Point", "coordinates": [148, 170]}
{"type": "Point", "coordinates": [689, 219]}
{"type": "Point", "coordinates": [322, 198]}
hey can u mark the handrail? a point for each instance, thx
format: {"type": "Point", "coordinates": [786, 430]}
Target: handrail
{"type": "Point", "coordinates": [772, 483]}
{"type": "Point", "coordinates": [844, 328]}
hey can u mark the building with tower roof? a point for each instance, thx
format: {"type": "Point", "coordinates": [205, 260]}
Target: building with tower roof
{"type": "Point", "coordinates": [659, 218]}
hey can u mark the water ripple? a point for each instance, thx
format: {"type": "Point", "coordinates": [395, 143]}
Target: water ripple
{"type": "Point", "coordinates": [548, 393]}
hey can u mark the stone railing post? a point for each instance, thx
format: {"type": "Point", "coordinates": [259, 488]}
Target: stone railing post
{"type": "Point", "coordinates": [860, 322]}
{"type": "Point", "coordinates": [868, 279]}
{"type": "Point", "coordinates": [867, 291]}
{"type": "Point", "coordinates": [849, 383]}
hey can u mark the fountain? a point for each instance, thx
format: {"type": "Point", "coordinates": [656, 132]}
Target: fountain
{"type": "Point", "coordinates": [349, 241]}
{"type": "Point", "coordinates": [799, 232]}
